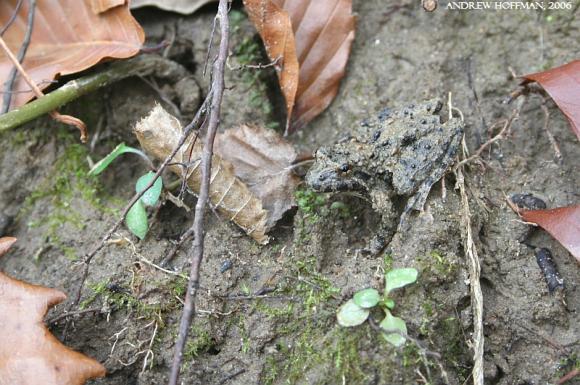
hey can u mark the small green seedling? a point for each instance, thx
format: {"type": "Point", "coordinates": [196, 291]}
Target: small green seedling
{"type": "Point", "coordinates": [356, 310]}
{"type": "Point", "coordinates": [136, 219]}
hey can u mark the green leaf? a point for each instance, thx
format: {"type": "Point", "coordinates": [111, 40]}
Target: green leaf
{"type": "Point", "coordinates": [107, 160]}
{"type": "Point", "coordinates": [389, 303]}
{"type": "Point", "coordinates": [350, 314]}
{"type": "Point", "coordinates": [398, 278]}
{"type": "Point", "coordinates": [367, 298]}
{"type": "Point", "coordinates": [136, 220]}
{"type": "Point", "coordinates": [151, 196]}
{"type": "Point", "coordinates": [391, 323]}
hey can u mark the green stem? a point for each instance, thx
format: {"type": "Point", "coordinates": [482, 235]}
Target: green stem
{"type": "Point", "coordinates": [142, 65]}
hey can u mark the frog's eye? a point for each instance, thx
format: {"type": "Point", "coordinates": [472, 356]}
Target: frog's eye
{"type": "Point", "coordinates": [344, 167]}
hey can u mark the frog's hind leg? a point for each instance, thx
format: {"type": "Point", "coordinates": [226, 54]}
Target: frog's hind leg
{"type": "Point", "coordinates": [387, 228]}
{"type": "Point", "coordinates": [417, 201]}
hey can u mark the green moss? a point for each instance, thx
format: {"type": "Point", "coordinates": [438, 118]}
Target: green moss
{"type": "Point", "coordinates": [118, 298]}
{"type": "Point", "coordinates": [178, 286]}
{"type": "Point", "coordinates": [311, 209]}
{"type": "Point", "coordinates": [313, 349]}
{"type": "Point", "coordinates": [437, 265]}
{"type": "Point", "coordinates": [200, 341]}
{"type": "Point", "coordinates": [567, 364]}
{"type": "Point", "coordinates": [98, 289]}
{"type": "Point", "coordinates": [346, 356]}
{"type": "Point", "coordinates": [455, 352]}
{"type": "Point", "coordinates": [309, 339]}
{"type": "Point", "coordinates": [388, 262]}
{"type": "Point", "coordinates": [65, 182]}
{"type": "Point", "coordinates": [310, 203]}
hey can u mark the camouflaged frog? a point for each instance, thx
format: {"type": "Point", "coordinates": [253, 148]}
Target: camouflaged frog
{"type": "Point", "coordinates": [400, 153]}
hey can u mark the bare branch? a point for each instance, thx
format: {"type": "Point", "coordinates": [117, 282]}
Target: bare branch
{"type": "Point", "coordinates": [21, 53]}
{"type": "Point", "coordinates": [198, 242]}
{"type": "Point", "coordinates": [54, 114]}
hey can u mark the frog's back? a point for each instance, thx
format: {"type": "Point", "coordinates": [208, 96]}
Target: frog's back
{"type": "Point", "coordinates": [411, 142]}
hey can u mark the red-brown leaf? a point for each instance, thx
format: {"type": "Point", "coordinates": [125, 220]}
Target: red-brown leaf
{"type": "Point", "coordinates": [29, 353]}
{"type": "Point", "coordinates": [67, 37]}
{"type": "Point", "coordinates": [563, 223]}
{"type": "Point", "coordinates": [563, 85]}
{"type": "Point", "coordinates": [323, 35]}
{"type": "Point", "coordinates": [275, 28]}
{"type": "Point", "coordinates": [5, 244]}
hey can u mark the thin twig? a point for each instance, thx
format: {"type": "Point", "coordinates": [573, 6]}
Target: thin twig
{"type": "Point", "coordinates": [501, 134]}
{"type": "Point", "coordinates": [231, 376]}
{"type": "Point", "coordinates": [186, 132]}
{"type": "Point", "coordinates": [12, 17]}
{"type": "Point", "coordinates": [66, 119]}
{"type": "Point", "coordinates": [21, 53]}
{"type": "Point", "coordinates": [198, 242]}
{"type": "Point", "coordinates": [258, 66]}
{"type": "Point", "coordinates": [68, 314]}
{"type": "Point", "coordinates": [570, 375]}
{"type": "Point", "coordinates": [141, 65]}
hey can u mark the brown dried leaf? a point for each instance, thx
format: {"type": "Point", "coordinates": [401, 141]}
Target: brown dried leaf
{"type": "Point", "coordinates": [29, 353]}
{"type": "Point", "coordinates": [185, 7]}
{"type": "Point", "coordinates": [159, 132]}
{"type": "Point", "coordinates": [5, 244]}
{"type": "Point", "coordinates": [563, 85]}
{"type": "Point", "coordinates": [67, 37]}
{"type": "Point", "coordinates": [99, 6]}
{"type": "Point", "coordinates": [563, 223]}
{"type": "Point", "coordinates": [263, 161]}
{"type": "Point", "coordinates": [274, 26]}
{"type": "Point", "coordinates": [323, 32]}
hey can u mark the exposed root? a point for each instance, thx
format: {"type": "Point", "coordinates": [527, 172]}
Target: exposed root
{"type": "Point", "coordinates": [549, 134]}
{"type": "Point", "coordinates": [474, 275]}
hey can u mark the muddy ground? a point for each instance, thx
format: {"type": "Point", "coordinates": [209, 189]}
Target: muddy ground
{"type": "Point", "coordinates": [289, 334]}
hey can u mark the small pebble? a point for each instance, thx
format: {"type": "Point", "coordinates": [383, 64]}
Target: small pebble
{"type": "Point", "coordinates": [226, 265]}
{"type": "Point", "coordinates": [549, 270]}
{"type": "Point", "coordinates": [528, 202]}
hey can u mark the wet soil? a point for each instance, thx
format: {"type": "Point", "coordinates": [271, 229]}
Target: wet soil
{"type": "Point", "coordinates": [266, 314]}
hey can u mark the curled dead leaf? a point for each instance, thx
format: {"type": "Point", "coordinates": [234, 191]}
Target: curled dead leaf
{"type": "Point", "coordinates": [274, 26]}
{"type": "Point", "coordinates": [159, 132]}
{"type": "Point", "coordinates": [563, 85]}
{"type": "Point", "coordinates": [29, 353]}
{"type": "Point", "coordinates": [59, 47]}
{"type": "Point", "coordinates": [185, 7]}
{"type": "Point", "coordinates": [5, 244]}
{"type": "Point", "coordinates": [314, 37]}
{"type": "Point", "coordinates": [263, 161]}
{"type": "Point", "coordinates": [99, 6]}
{"type": "Point", "coordinates": [563, 223]}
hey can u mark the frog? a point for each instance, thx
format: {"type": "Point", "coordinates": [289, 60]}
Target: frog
{"type": "Point", "coordinates": [396, 155]}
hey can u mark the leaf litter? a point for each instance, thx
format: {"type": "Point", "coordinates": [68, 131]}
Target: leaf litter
{"type": "Point", "coordinates": [563, 223]}
{"type": "Point", "coordinates": [563, 85]}
{"type": "Point", "coordinates": [236, 170]}
{"type": "Point", "coordinates": [29, 353]}
{"type": "Point", "coordinates": [311, 41]}
{"type": "Point", "coordinates": [58, 47]}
